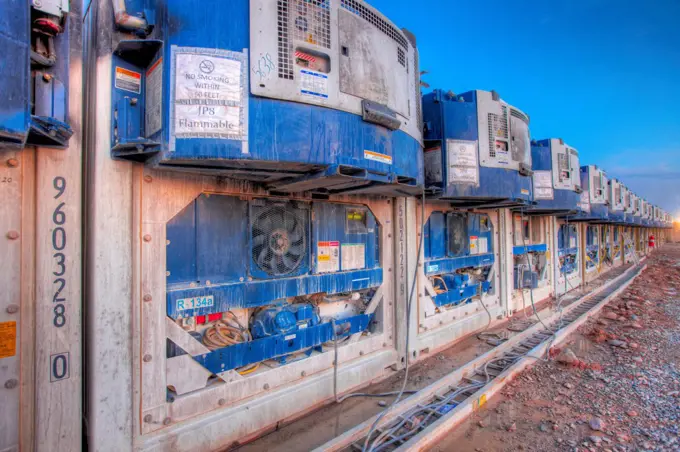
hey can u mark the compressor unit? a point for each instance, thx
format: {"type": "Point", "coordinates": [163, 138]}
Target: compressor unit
{"type": "Point", "coordinates": [477, 150]}
{"type": "Point", "coordinates": [592, 252]}
{"type": "Point", "coordinates": [636, 203]}
{"type": "Point", "coordinates": [556, 177]}
{"type": "Point", "coordinates": [568, 257]}
{"type": "Point", "coordinates": [34, 37]}
{"type": "Point", "coordinates": [300, 95]}
{"type": "Point", "coordinates": [266, 279]}
{"type": "Point", "coordinates": [530, 252]}
{"type": "Point", "coordinates": [594, 197]}
{"type": "Point", "coordinates": [459, 256]}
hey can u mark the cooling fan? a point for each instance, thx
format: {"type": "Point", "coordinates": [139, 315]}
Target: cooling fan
{"type": "Point", "coordinates": [279, 238]}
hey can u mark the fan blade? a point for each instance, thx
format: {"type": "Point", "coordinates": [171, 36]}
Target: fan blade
{"type": "Point", "coordinates": [261, 257]}
{"type": "Point", "coordinates": [259, 240]}
{"type": "Point", "coordinates": [289, 263]}
{"type": "Point", "coordinates": [264, 223]}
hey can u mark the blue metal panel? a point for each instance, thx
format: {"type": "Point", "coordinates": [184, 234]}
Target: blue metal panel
{"type": "Point", "coordinates": [14, 72]}
{"type": "Point", "coordinates": [563, 201]}
{"type": "Point", "coordinates": [541, 156]}
{"type": "Point", "coordinates": [251, 294]}
{"type": "Point", "coordinates": [456, 118]}
{"type": "Point", "coordinates": [331, 223]}
{"type": "Point", "coordinates": [257, 350]}
{"type": "Point", "coordinates": [456, 295]}
{"type": "Point", "coordinates": [435, 239]}
{"type": "Point", "coordinates": [209, 255]}
{"type": "Point", "coordinates": [450, 265]}
{"type": "Point", "coordinates": [290, 145]}
{"type": "Point", "coordinates": [520, 250]}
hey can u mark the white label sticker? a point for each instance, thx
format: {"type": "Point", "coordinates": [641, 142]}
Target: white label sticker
{"type": "Point", "coordinates": [462, 162]}
{"type": "Point", "coordinates": [433, 165]}
{"type": "Point", "coordinates": [584, 201]}
{"type": "Point", "coordinates": [543, 193]}
{"type": "Point", "coordinates": [327, 257]}
{"type": "Point", "coordinates": [483, 245]}
{"type": "Point", "coordinates": [313, 84]}
{"type": "Point", "coordinates": [184, 304]}
{"type": "Point", "coordinates": [290, 337]}
{"type": "Point", "coordinates": [432, 268]}
{"type": "Point", "coordinates": [128, 80]}
{"type": "Point", "coordinates": [572, 242]}
{"type": "Point", "coordinates": [154, 98]}
{"type": "Point", "coordinates": [377, 157]}
{"type": "Point", "coordinates": [474, 246]}
{"type": "Point", "coordinates": [209, 97]}
{"type": "Point", "coordinates": [353, 256]}
{"type": "Point", "coordinates": [542, 179]}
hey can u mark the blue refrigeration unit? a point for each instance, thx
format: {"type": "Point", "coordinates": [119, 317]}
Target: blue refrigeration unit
{"type": "Point", "coordinates": [459, 256]}
{"type": "Point", "coordinates": [477, 150]}
{"type": "Point", "coordinates": [298, 95]}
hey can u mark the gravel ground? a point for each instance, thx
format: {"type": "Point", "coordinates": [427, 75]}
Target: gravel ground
{"type": "Point", "coordinates": [614, 385]}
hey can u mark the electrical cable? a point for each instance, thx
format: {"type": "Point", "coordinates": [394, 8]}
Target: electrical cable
{"type": "Point", "coordinates": [408, 329]}
{"type": "Point", "coordinates": [222, 334]}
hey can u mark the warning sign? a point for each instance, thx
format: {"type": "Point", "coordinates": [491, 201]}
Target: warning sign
{"type": "Point", "coordinates": [314, 84]}
{"type": "Point", "coordinates": [8, 339]}
{"type": "Point", "coordinates": [128, 80]}
{"type": "Point", "coordinates": [377, 157]}
{"type": "Point", "coordinates": [154, 98]}
{"type": "Point", "coordinates": [327, 257]}
{"type": "Point", "coordinates": [209, 95]}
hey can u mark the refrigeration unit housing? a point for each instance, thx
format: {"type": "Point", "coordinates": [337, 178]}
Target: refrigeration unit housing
{"type": "Point", "coordinates": [300, 95]}
{"type": "Point", "coordinates": [568, 264]}
{"type": "Point", "coordinates": [594, 197]}
{"type": "Point", "coordinates": [477, 149]}
{"type": "Point", "coordinates": [34, 75]}
{"type": "Point", "coordinates": [556, 178]}
{"type": "Point", "coordinates": [305, 267]}
{"type": "Point", "coordinates": [636, 203]}
{"type": "Point", "coordinates": [616, 207]}
{"type": "Point", "coordinates": [592, 253]}
{"type": "Point", "coordinates": [530, 251]}
{"type": "Point", "coordinates": [459, 272]}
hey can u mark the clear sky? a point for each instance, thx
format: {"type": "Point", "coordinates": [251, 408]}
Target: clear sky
{"type": "Point", "coordinates": [603, 75]}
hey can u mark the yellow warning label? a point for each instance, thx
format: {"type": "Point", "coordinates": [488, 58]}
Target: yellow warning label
{"type": "Point", "coordinates": [8, 339]}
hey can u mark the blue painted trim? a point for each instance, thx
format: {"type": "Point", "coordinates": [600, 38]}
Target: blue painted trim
{"type": "Point", "coordinates": [258, 350]}
{"type": "Point", "coordinates": [250, 294]}
{"type": "Point", "coordinates": [455, 296]}
{"type": "Point", "coordinates": [450, 265]}
{"type": "Point", "coordinates": [539, 248]}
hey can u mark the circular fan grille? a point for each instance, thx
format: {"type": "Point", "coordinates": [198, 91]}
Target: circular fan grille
{"type": "Point", "coordinates": [279, 240]}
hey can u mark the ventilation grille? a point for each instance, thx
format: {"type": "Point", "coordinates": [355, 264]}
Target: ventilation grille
{"type": "Point", "coordinates": [279, 238]}
{"type": "Point", "coordinates": [617, 195]}
{"type": "Point", "coordinates": [498, 128]}
{"type": "Point", "coordinates": [520, 115]}
{"type": "Point", "coordinates": [416, 75]}
{"type": "Point", "coordinates": [597, 183]}
{"type": "Point", "coordinates": [562, 166]}
{"type": "Point", "coordinates": [285, 62]}
{"type": "Point", "coordinates": [457, 234]}
{"type": "Point", "coordinates": [381, 24]}
{"type": "Point", "coordinates": [573, 152]}
{"type": "Point", "coordinates": [401, 56]}
{"type": "Point", "coordinates": [312, 22]}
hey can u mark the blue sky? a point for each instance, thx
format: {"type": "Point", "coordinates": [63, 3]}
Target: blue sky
{"type": "Point", "coordinates": [603, 75]}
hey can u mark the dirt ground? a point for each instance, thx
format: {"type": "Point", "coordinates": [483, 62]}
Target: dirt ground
{"type": "Point", "coordinates": [626, 400]}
